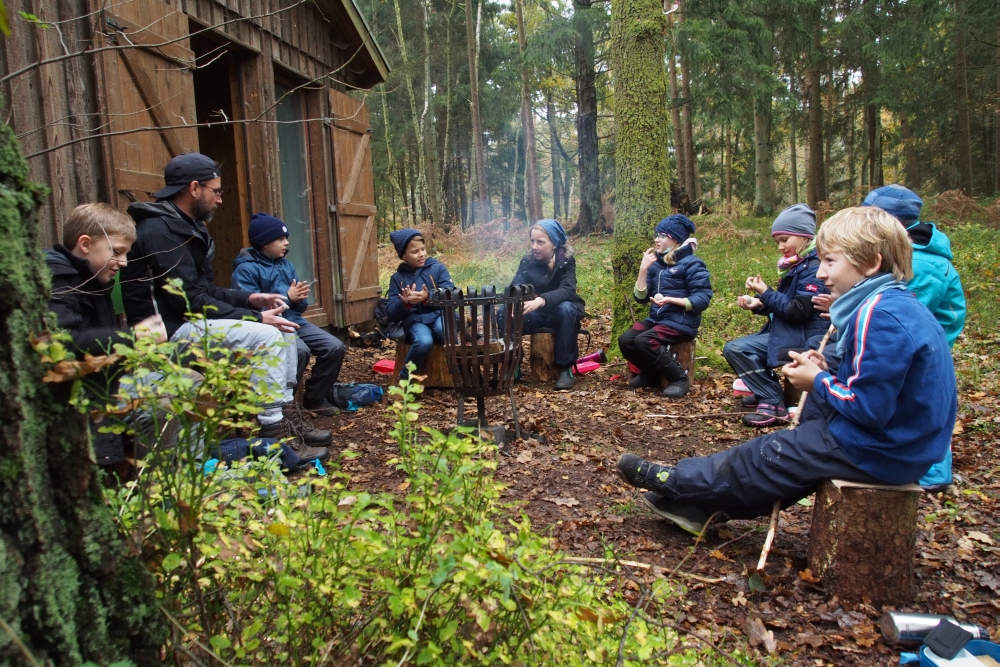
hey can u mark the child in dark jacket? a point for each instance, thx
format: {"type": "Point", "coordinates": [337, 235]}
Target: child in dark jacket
{"type": "Point", "coordinates": [550, 268]}
{"type": "Point", "coordinates": [793, 323]}
{"type": "Point", "coordinates": [96, 241]}
{"type": "Point", "coordinates": [409, 290]}
{"type": "Point", "coordinates": [885, 415]}
{"type": "Point", "coordinates": [679, 286]}
{"type": "Point", "coordinates": [264, 268]}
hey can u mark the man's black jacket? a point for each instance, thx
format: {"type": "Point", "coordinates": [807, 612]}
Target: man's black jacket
{"type": "Point", "coordinates": [172, 245]}
{"type": "Point", "coordinates": [82, 304]}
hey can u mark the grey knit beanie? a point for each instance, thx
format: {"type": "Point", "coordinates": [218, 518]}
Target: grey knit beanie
{"type": "Point", "coordinates": [796, 220]}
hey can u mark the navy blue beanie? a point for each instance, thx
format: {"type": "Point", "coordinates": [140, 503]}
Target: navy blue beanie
{"type": "Point", "coordinates": [401, 238]}
{"type": "Point", "coordinates": [554, 230]}
{"type": "Point", "coordinates": [265, 228]}
{"type": "Point", "coordinates": [896, 200]}
{"type": "Point", "coordinates": [678, 227]}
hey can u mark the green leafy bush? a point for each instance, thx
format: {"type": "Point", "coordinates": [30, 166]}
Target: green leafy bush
{"type": "Point", "coordinates": [254, 569]}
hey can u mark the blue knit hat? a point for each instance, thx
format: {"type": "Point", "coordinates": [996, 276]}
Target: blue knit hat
{"type": "Point", "coordinates": [554, 230]}
{"type": "Point", "coordinates": [896, 200]}
{"type": "Point", "coordinates": [678, 227]}
{"type": "Point", "coordinates": [265, 228]}
{"type": "Point", "coordinates": [796, 220]}
{"type": "Point", "coordinates": [401, 238]}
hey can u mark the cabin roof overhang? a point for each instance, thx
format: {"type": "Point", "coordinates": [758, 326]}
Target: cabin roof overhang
{"type": "Point", "coordinates": [372, 67]}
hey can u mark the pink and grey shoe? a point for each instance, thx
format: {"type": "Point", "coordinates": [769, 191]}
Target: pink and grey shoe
{"type": "Point", "coordinates": [767, 415]}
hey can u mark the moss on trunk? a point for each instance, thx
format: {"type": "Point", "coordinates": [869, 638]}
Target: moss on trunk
{"type": "Point", "coordinates": [68, 588]}
{"type": "Point", "coordinates": [642, 170]}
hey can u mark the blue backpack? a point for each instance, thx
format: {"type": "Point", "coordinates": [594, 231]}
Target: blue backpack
{"type": "Point", "coordinates": [352, 396]}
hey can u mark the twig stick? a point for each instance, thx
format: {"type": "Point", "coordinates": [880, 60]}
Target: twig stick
{"type": "Point", "coordinates": [773, 528]}
{"type": "Point", "coordinates": [703, 416]}
{"type": "Point", "coordinates": [579, 560]}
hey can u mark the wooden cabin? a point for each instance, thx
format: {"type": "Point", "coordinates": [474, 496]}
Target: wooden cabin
{"type": "Point", "coordinates": [261, 86]}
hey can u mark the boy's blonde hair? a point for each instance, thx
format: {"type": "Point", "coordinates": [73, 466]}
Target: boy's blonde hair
{"type": "Point", "coordinates": [97, 220]}
{"type": "Point", "coordinates": [862, 234]}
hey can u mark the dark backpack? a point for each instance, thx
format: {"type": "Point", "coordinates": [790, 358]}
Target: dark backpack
{"type": "Point", "coordinates": [350, 397]}
{"type": "Point", "coordinates": [391, 330]}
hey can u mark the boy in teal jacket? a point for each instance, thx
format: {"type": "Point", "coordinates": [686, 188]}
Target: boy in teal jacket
{"type": "Point", "coordinates": [935, 282]}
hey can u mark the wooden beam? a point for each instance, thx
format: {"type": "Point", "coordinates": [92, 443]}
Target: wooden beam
{"type": "Point", "coordinates": [148, 91]}
{"type": "Point", "coordinates": [135, 34]}
{"type": "Point", "coordinates": [359, 258]}
{"type": "Point", "coordinates": [359, 161]}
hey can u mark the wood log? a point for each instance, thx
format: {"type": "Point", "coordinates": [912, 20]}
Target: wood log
{"type": "Point", "coordinates": [863, 541]}
{"type": "Point", "coordinates": [435, 368]}
{"type": "Point", "coordinates": [685, 357]}
{"type": "Point", "coordinates": [792, 395]}
{"type": "Point", "coordinates": [542, 357]}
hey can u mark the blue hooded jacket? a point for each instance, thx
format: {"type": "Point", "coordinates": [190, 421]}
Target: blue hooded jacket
{"type": "Point", "coordinates": [432, 275]}
{"type": "Point", "coordinates": [254, 271]}
{"type": "Point", "coordinates": [688, 279]}
{"type": "Point", "coordinates": [935, 280]}
{"type": "Point", "coordinates": [894, 392]}
{"type": "Point", "coordinates": [794, 324]}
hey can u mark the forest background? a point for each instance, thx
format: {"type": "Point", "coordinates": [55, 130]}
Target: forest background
{"type": "Point", "coordinates": [767, 102]}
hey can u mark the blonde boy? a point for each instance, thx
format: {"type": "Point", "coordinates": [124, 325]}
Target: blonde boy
{"type": "Point", "coordinates": [884, 415]}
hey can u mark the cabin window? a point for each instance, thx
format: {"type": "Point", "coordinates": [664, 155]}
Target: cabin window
{"type": "Point", "coordinates": [295, 183]}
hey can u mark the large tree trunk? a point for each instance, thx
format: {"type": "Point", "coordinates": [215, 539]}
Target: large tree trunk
{"type": "Point", "coordinates": [873, 128]}
{"type": "Point", "coordinates": [996, 125]}
{"type": "Point", "coordinates": [728, 159]}
{"type": "Point", "coordinates": [690, 166]}
{"type": "Point", "coordinates": [763, 200]}
{"type": "Point", "coordinates": [430, 131]}
{"type": "Point", "coordinates": [418, 134]}
{"type": "Point", "coordinates": [532, 190]}
{"type": "Point", "coordinates": [675, 115]}
{"type": "Point", "coordinates": [815, 177]}
{"type": "Point", "coordinates": [586, 120]}
{"type": "Point", "coordinates": [550, 111]}
{"type": "Point", "coordinates": [964, 146]}
{"type": "Point", "coordinates": [642, 180]}
{"type": "Point", "coordinates": [69, 590]}
{"type": "Point", "coordinates": [792, 148]}
{"type": "Point", "coordinates": [472, 37]}
{"type": "Point", "coordinates": [913, 173]}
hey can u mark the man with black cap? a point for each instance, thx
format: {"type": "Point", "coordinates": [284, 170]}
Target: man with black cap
{"type": "Point", "coordinates": [173, 242]}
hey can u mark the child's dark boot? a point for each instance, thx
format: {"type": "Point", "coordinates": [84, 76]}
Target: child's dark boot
{"type": "Point", "coordinates": [767, 415]}
{"type": "Point", "coordinates": [644, 379]}
{"type": "Point", "coordinates": [677, 389]}
{"type": "Point", "coordinates": [642, 474]}
{"type": "Point", "coordinates": [566, 380]}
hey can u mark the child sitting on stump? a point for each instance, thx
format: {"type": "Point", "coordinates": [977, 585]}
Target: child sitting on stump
{"type": "Point", "coordinates": [679, 285]}
{"type": "Point", "coordinates": [409, 289]}
{"type": "Point", "coordinates": [793, 323]}
{"type": "Point", "coordinates": [885, 415]}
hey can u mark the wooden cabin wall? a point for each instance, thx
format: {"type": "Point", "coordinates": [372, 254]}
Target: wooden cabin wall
{"type": "Point", "coordinates": [52, 105]}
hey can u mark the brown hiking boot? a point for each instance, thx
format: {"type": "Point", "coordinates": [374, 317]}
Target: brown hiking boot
{"type": "Point", "coordinates": [304, 428]}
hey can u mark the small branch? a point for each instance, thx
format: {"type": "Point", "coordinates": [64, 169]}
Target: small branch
{"type": "Point", "coordinates": [771, 530]}
{"type": "Point", "coordinates": [707, 415]}
{"type": "Point", "coordinates": [579, 560]}
{"type": "Point", "coordinates": [20, 645]}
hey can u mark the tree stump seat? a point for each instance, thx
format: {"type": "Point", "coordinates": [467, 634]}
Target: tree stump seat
{"type": "Point", "coordinates": [435, 368]}
{"type": "Point", "coordinates": [542, 354]}
{"type": "Point", "coordinates": [863, 541]}
{"type": "Point", "coordinates": [684, 352]}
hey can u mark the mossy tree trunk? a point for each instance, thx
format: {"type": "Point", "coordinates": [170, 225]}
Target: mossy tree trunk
{"type": "Point", "coordinates": [69, 591]}
{"type": "Point", "coordinates": [642, 178]}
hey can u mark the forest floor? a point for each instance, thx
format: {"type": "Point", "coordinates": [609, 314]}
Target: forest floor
{"type": "Point", "coordinates": [567, 487]}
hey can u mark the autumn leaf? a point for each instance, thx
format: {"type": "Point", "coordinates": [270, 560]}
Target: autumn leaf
{"type": "Point", "coordinates": [563, 502]}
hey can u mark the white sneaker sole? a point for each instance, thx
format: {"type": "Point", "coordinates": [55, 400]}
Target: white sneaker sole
{"type": "Point", "coordinates": [696, 529]}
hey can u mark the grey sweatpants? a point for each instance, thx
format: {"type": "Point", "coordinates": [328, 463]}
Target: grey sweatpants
{"type": "Point", "coordinates": [264, 341]}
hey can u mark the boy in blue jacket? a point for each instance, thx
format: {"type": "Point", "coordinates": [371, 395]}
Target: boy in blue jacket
{"type": "Point", "coordinates": [935, 282]}
{"type": "Point", "coordinates": [680, 288]}
{"type": "Point", "coordinates": [264, 268]}
{"type": "Point", "coordinates": [885, 415]}
{"type": "Point", "coordinates": [793, 322]}
{"type": "Point", "coordinates": [409, 290]}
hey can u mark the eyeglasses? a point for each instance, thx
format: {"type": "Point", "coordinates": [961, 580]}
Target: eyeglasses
{"type": "Point", "coordinates": [218, 191]}
{"type": "Point", "coordinates": [662, 237]}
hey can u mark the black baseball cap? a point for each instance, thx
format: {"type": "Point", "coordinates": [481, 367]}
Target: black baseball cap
{"type": "Point", "coordinates": [183, 169]}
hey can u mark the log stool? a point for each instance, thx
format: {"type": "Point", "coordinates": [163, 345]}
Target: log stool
{"type": "Point", "coordinates": [863, 541]}
{"type": "Point", "coordinates": [792, 395]}
{"type": "Point", "coordinates": [542, 354]}
{"type": "Point", "coordinates": [435, 368]}
{"type": "Point", "coordinates": [684, 352]}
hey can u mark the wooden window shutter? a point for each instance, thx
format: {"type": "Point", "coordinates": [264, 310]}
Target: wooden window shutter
{"type": "Point", "coordinates": [144, 88]}
{"type": "Point", "coordinates": [355, 209]}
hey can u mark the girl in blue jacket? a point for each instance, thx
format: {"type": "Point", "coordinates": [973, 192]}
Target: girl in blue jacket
{"type": "Point", "coordinates": [409, 290]}
{"type": "Point", "coordinates": [679, 286]}
{"type": "Point", "coordinates": [793, 323]}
